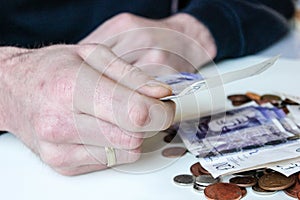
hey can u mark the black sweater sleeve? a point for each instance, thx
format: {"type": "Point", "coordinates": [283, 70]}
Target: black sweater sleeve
{"type": "Point", "coordinates": [242, 27]}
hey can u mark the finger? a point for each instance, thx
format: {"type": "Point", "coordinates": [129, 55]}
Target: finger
{"type": "Point", "coordinates": [103, 60]}
{"type": "Point", "coordinates": [89, 130]}
{"type": "Point", "coordinates": [114, 103]}
{"type": "Point", "coordinates": [70, 156]}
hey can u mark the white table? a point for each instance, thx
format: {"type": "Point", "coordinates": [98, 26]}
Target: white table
{"type": "Point", "coordinates": [24, 176]}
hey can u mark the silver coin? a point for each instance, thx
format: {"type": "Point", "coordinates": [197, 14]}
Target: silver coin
{"type": "Point", "coordinates": [198, 188]}
{"type": "Point", "coordinates": [184, 179]}
{"type": "Point", "coordinates": [206, 180]}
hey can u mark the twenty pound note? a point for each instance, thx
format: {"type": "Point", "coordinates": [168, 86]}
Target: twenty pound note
{"type": "Point", "coordinates": [188, 83]}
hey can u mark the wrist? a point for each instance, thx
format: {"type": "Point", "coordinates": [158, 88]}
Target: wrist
{"type": "Point", "coordinates": [193, 28]}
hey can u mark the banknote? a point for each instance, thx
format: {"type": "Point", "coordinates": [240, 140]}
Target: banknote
{"type": "Point", "coordinates": [233, 137]}
{"type": "Point", "coordinates": [286, 167]}
{"type": "Point", "coordinates": [295, 113]}
{"type": "Point", "coordinates": [189, 83]}
{"type": "Point", "coordinates": [252, 159]}
{"type": "Point", "coordinates": [236, 130]}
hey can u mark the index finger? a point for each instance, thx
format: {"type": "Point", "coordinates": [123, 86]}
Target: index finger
{"type": "Point", "coordinates": [110, 65]}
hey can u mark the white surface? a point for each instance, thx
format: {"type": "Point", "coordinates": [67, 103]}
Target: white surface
{"type": "Point", "coordinates": [24, 176]}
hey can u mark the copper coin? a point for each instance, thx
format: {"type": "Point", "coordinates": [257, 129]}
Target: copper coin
{"type": "Point", "coordinates": [238, 103]}
{"type": "Point", "coordinates": [196, 169]}
{"type": "Point", "coordinates": [293, 190]}
{"type": "Point", "coordinates": [276, 181]}
{"type": "Point", "coordinates": [174, 152]}
{"type": "Point", "coordinates": [171, 138]}
{"type": "Point", "coordinates": [244, 191]}
{"type": "Point", "coordinates": [243, 181]}
{"type": "Point", "coordinates": [270, 98]}
{"type": "Point", "coordinates": [289, 102]}
{"type": "Point", "coordinates": [253, 96]}
{"type": "Point", "coordinates": [168, 138]}
{"type": "Point", "coordinates": [223, 191]}
{"type": "Point", "coordinates": [260, 191]}
{"type": "Point", "coordinates": [246, 173]}
{"type": "Point", "coordinates": [238, 97]}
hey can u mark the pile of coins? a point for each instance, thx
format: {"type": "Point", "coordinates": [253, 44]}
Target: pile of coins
{"type": "Point", "coordinates": [240, 99]}
{"type": "Point", "coordinates": [262, 182]}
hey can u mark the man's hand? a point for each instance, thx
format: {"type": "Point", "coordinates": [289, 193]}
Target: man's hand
{"type": "Point", "coordinates": [177, 43]}
{"type": "Point", "coordinates": [67, 103]}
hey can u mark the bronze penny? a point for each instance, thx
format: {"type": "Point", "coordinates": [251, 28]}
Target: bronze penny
{"type": "Point", "coordinates": [243, 181]}
{"type": "Point", "coordinates": [276, 181]}
{"type": "Point", "coordinates": [223, 191]}
{"type": "Point", "coordinates": [260, 191]}
{"type": "Point", "coordinates": [174, 152]}
{"type": "Point", "coordinates": [168, 138]}
{"type": "Point", "coordinates": [171, 138]}
{"type": "Point", "coordinates": [270, 98]}
{"type": "Point", "coordinates": [289, 102]}
{"type": "Point", "coordinates": [196, 169]}
{"type": "Point", "coordinates": [253, 96]}
{"type": "Point", "coordinates": [244, 191]}
{"type": "Point", "coordinates": [238, 97]}
{"type": "Point", "coordinates": [238, 103]}
{"type": "Point", "coordinates": [293, 190]}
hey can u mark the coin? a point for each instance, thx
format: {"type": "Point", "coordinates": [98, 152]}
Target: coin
{"type": "Point", "coordinates": [243, 181]}
{"type": "Point", "coordinates": [244, 191]}
{"type": "Point", "coordinates": [275, 181]}
{"type": "Point", "coordinates": [246, 173]}
{"type": "Point", "coordinates": [293, 190]}
{"type": "Point", "coordinates": [274, 99]}
{"type": "Point", "coordinates": [253, 96]}
{"type": "Point", "coordinates": [223, 191]}
{"type": "Point", "coordinates": [196, 169]}
{"type": "Point", "coordinates": [171, 138]}
{"type": "Point", "coordinates": [198, 188]}
{"type": "Point", "coordinates": [184, 179]}
{"type": "Point", "coordinates": [239, 97]}
{"type": "Point", "coordinates": [174, 152]}
{"type": "Point", "coordinates": [289, 102]}
{"type": "Point", "coordinates": [238, 103]}
{"type": "Point", "coordinates": [168, 138]}
{"type": "Point", "coordinates": [205, 180]}
{"type": "Point", "coordinates": [258, 190]}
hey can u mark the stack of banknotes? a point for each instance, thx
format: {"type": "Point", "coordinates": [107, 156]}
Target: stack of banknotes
{"type": "Point", "coordinates": [241, 139]}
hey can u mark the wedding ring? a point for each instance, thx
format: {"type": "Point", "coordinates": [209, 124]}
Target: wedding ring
{"type": "Point", "coordinates": [111, 156]}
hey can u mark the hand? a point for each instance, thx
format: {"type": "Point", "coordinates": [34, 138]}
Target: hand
{"type": "Point", "coordinates": [69, 102]}
{"type": "Point", "coordinates": [177, 43]}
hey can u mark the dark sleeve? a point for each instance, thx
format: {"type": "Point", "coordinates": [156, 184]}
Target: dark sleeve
{"type": "Point", "coordinates": [242, 27]}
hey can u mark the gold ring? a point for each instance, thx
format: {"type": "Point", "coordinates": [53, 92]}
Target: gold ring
{"type": "Point", "coordinates": [111, 156]}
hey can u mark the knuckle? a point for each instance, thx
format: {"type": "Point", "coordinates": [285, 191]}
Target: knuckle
{"type": "Point", "coordinates": [52, 129]}
{"type": "Point", "coordinates": [125, 18]}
